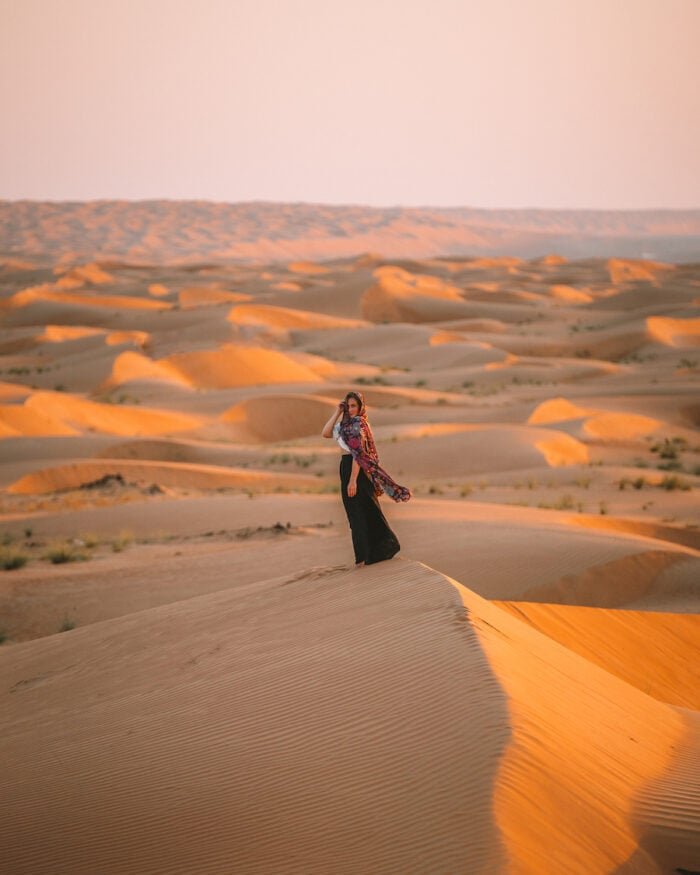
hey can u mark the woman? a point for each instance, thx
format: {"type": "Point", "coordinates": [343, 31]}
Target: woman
{"type": "Point", "coordinates": [362, 481]}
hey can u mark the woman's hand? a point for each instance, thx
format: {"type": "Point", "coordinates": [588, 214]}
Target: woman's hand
{"type": "Point", "coordinates": [341, 409]}
{"type": "Point", "coordinates": [352, 488]}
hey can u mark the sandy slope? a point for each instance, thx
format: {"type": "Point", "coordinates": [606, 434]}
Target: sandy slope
{"type": "Point", "coordinates": [235, 697]}
{"type": "Point", "coordinates": [336, 720]}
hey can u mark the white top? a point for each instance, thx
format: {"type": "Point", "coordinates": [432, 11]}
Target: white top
{"type": "Point", "coordinates": [336, 434]}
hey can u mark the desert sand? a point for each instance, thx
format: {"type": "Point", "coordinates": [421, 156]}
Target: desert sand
{"type": "Point", "coordinates": [196, 678]}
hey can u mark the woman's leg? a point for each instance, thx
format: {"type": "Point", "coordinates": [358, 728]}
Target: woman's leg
{"type": "Point", "coordinates": [381, 541]}
{"type": "Point", "coordinates": [356, 518]}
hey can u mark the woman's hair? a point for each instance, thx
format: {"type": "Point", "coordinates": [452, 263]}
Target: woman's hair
{"type": "Point", "coordinates": [359, 397]}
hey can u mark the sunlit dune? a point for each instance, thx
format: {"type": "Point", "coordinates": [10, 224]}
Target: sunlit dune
{"type": "Point", "coordinates": [119, 419]}
{"type": "Point", "coordinates": [133, 366]}
{"type": "Point", "coordinates": [557, 410]}
{"type": "Point", "coordinates": [116, 338]}
{"type": "Point", "coordinates": [569, 295]}
{"type": "Point", "coordinates": [507, 362]}
{"type": "Point", "coordinates": [286, 286]}
{"type": "Point", "coordinates": [24, 419]}
{"type": "Point", "coordinates": [460, 449]}
{"type": "Point", "coordinates": [552, 260]}
{"type": "Point", "coordinates": [624, 270]}
{"type": "Point", "coordinates": [86, 299]}
{"type": "Point", "coordinates": [232, 365]}
{"type": "Point", "coordinates": [63, 333]}
{"type": "Point", "coordinates": [440, 337]}
{"type": "Point", "coordinates": [544, 414]}
{"type": "Point", "coordinates": [287, 318]}
{"type": "Point", "coordinates": [620, 426]}
{"type": "Point", "coordinates": [674, 332]}
{"type": "Point", "coordinates": [307, 267]}
{"type": "Point", "coordinates": [207, 296]}
{"type": "Point", "coordinates": [575, 730]}
{"type": "Point", "coordinates": [86, 273]}
{"type": "Point", "coordinates": [562, 449]}
{"type": "Point", "coordinates": [400, 296]}
{"type": "Point", "coordinates": [171, 474]}
{"type": "Point", "coordinates": [158, 290]}
{"type": "Point", "coordinates": [433, 674]}
{"type": "Point", "coordinates": [659, 653]}
{"type": "Point", "coordinates": [273, 418]}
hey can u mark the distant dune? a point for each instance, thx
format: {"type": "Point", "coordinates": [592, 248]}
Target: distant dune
{"type": "Point", "coordinates": [195, 678]}
{"type": "Point", "coordinates": [190, 230]}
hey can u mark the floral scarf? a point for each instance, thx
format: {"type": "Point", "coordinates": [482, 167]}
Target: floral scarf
{"type": "Point", "coordinates": [357, 434]}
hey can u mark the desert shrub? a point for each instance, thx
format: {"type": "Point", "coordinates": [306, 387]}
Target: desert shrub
{"type": "Point", "coordinates": [90, 540]}
{"type": "Point", "coordinates": [566, 502]}
{"type": "Point", "coordinates": [121, 541]}
{"type": "Point", "coordinates": [673, 482]}
{"type": "Point", "coordinates": [11, 559]}
{"type": "Point", "coordinates": [60, 552]}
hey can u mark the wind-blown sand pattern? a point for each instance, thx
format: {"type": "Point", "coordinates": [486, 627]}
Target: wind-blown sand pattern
{"type": "Point", "coordinates": [195, 678]}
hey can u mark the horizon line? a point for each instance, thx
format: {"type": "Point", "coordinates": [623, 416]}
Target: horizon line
{"type": "Point", "coordinates": [340, 204]}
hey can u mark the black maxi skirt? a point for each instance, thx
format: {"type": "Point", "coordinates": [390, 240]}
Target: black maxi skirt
{"type": "Point", "coordinates": [372, 538]}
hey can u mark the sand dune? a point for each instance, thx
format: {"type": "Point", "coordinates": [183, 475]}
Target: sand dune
{"type": "Point", "coordinates": [142, 233]}
{"type": "Point", "coordinates": [561, 744]}
{"type": "Point", "coordinates": [675, 332]}
{"type": "Point", "coordinates": [570, 295]}
{"type": "Point", "coordinates": [625, 270]}
{"type": "Point", "coordinates": [85, 273]}
{"type": "Point", "coordinates": [458, 450]}
{"type": "Point", "coordinates": [275, 418]}
{"type": "Point", "coordinates": [22, 419]}
{"type": "Point", "coordinates": [73, 413]}
{"type": "Point", "coordinates": [659, 653]}
{"type": "Point", "coordinates": [360, 662]}
{"type": "Point", "coordinates": [400, 296]}
{"type": "Point", "coordinates": [207, 296]}
{"type": "Point", "coordinates": [226, 366]}
{"type": "Point", "coordinates": [164, 417]}
{"type": "Point", "coordinates": [286, 318]}
{"type": "Point", "coordinates": [162, 473]}
{"type": "Point", "coordinates": [84, 299]}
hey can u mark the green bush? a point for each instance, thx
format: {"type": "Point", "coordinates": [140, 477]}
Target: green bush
{"type": "Point", "coordinates": [11, 559]}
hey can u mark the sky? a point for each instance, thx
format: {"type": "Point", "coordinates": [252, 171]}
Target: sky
{"type": "Point", "coordinates": [567, 104]}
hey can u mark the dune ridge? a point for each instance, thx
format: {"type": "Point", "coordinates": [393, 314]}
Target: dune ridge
{"type": "Point", "coordinates": [375, 747]}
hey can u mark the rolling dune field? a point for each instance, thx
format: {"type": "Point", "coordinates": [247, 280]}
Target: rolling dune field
{"type": "Point", "coordinates": [196, 678]}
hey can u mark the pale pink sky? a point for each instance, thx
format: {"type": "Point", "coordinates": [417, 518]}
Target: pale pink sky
{"type": "Point", "coordinates": [495, 103]}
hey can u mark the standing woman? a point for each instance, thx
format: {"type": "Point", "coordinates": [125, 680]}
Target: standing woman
{"type": "Point", "coordinates": [362, 481]}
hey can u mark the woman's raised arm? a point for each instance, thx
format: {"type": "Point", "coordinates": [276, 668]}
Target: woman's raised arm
{"type": "Point", "coordinates": [328, 427]}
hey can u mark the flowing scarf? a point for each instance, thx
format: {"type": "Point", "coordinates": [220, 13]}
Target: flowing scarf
{"type": "Point", "coordinates": [357, 434]}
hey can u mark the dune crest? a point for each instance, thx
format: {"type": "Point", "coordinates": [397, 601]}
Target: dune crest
{"type": "Point", "coordinates": [79, 413]}
{"type": "Point", "coordinates": [557, 410]}
{"type": "Point", "coordinates": [624, 270]}
{"type": "Point", "coordinates": [401, 296]}
{"type": "Point", "coordinates": [430, 729]}
{"type": "Point", "coordinates": [145, 473]}
{"type": "Point", "coordinates": [674, 332]}
{"type": "Point", "coordinates": [578, 776]}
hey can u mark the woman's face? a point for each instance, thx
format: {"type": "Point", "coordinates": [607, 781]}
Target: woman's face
{"type": "Point", "coordinates": [353, 406]}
